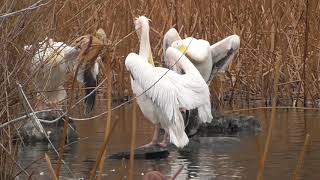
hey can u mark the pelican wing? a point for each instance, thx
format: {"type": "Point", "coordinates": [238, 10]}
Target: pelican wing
{"type": "Point", "coordinates": [169, 91]}
{"type": "Point", "coordinates": [197, 49]}
{"type": "Point", "coordinates": [222, 54]}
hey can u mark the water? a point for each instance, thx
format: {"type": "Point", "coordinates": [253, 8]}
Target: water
{"type": "Point", "coordinates": [218, 157]}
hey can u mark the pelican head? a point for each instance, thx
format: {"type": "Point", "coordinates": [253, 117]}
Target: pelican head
{"type": "Point", "coordinates": [101, 35]}
{"type": "Point", "coordinates": [181, 46]}
{"type": "Point", "coordinates": [142, 27]}
{"type": "Point", "coordinates": [235, 41]}
{"type": "Point", "coordinates": [140, 23]}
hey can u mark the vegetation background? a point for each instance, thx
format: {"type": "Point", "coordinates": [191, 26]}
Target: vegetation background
{"type": "Point", "coordinates": [271, 31]}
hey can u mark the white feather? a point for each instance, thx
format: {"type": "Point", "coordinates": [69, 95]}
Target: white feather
{"type": "Point", "coordinates": [172, 92]}
{"type": "Point", "coordinates": [207, 59]}
{"type": "Point", "coordinates": [54, 60]}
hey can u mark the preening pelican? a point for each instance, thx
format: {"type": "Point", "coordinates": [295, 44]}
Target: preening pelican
{"type": "Point", "coordinates": [161, 104]}
{"type": "Point", "coordinates": [207, 59]}
{"type": "Point", "coordinates": [54, 60]}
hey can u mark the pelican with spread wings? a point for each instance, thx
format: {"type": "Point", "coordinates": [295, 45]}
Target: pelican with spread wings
{"type": "Point", "coordinates": [162, 93]}
{"type": "Point", "coordinates": [208, 59]}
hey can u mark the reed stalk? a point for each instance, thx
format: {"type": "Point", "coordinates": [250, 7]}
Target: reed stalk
{"type": "Point", "coordinates": [305, 53]}
{"type": "Point", "coordinates": [101, 152]}
{"type": "Point", "coordinates": [273, 117]}
{"type": "Point", "coordinates": [297, 172]}
{"type": "Point", "coordinates": [51, 171]}
{"type": "Point", "coordinates": [109, 113]}
{"type": "Point", "coordinates": [133, 139]}
{"type": "Point", "coordinates": [265, 27]}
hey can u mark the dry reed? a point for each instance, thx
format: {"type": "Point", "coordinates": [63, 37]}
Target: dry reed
{"type": "Point", "coordinates": [51, 171]}
{"type": "Point", "coordinates": [296, 174]}
{"type": "Point", "coordinates": [133, 139]}
{"type": "Point", "coordinates": [272, 121]}
{"type": "Point", "coordinates": [108, 72]}
{"type": "Point", "coordinates": [265, 27]}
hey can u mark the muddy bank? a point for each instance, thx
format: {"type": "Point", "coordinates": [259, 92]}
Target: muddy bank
{"type": "Point", "coordinates": [221, 124]}
{"type": "Point", "coordinates": [31, 134]}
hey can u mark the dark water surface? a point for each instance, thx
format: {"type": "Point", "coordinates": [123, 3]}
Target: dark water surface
{"type": "Point", "coordinates": [217, 157]}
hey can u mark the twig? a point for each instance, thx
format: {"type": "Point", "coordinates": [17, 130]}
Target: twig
{"type": "Point", "coordinates": [301, 158]}
{"type": "Point", "coordinates": [27, 116]}
{"type": "Point", "coordinates": [12, 159]}
{"type": "Point", "coordinates": [50, 167]}
{"type": "Point", "coordinates": [27, 106]}
{"type": "Point", "coordinates": [43, 131]}
{"type": "Point", "coordinates": [103, 148]}
{"type": "Point", "coordinates": [109, 109]}
{"type": "Point", "coordinates": [273, 117]}
{"type": "Point", "coordinates": [278, 107]}
{"type": "Point", "coordinates": [177, 173]}
{"type": "Point", "coordinates": [30, 8]}
{"type": "Point", "coordinates": [133, 139]}
{"type": "Point", "coordinates": [29, 165]}
{"type": "Point", "coordinates": [305, 54]}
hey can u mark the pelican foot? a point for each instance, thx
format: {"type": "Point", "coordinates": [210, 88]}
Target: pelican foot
{"type": "Point", "coordinates": [163, 144]}
{"type": "Point", "coordinates": [151, 144]}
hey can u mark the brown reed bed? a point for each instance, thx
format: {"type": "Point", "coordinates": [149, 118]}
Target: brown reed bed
{"type": "Point", "coordinates": [268, 29]}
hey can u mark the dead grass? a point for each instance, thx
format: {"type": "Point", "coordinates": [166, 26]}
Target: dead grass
{"type": "Point", "coordinates": [266, 33]}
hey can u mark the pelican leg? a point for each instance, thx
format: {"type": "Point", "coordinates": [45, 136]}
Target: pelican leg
{"type": "Point", "coordinates": [165, 140]}
{"type": "Point", "coordinates": [155, 134]}
{"type": "Point", "coordinates": [155, 137]}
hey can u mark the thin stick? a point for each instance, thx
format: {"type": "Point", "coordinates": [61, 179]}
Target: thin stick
{"type": "Point", "coordinates": [133, 139]}
{"type": "Point", "coordinates": [273, 117]}
{"type": "Point", "coordinates": [28, 107]}
{"type": "Point", "coordinates": [12, 159]}
{"type": "Point", "coordinates": [30, 8]}
{"type": "Point", "coordinates": [279, 107]}
{"type": "Point", "coordinates": [305, 54]}
{"type": "Point", "coordinates": [296, 173]}
{"type": "Point", "coordinates": [81, 60]}
{"type": "Point", "coordinates": [108, 119]}
{"type": "Point", "coordinates": [103, 147]}
{"type": "Point", "coordinates": [26, 116]}
{"type": "Point", "coordinates": [177, 173]}
{"type": "Point", "coordinates": [29, 165]}
{"type": "Point", "coordinates": [50, 167]}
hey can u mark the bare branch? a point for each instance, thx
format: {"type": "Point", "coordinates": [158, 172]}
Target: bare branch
{"type": "Point", "coordinates": [30, 8]}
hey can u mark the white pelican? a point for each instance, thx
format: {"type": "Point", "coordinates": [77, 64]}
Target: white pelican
{"type": "Point", "coordinates": [54, 60]}
{"type": "Point", "coordinates": [208, 59]}
{"type": "Point", "coordinates": [161, 104]}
